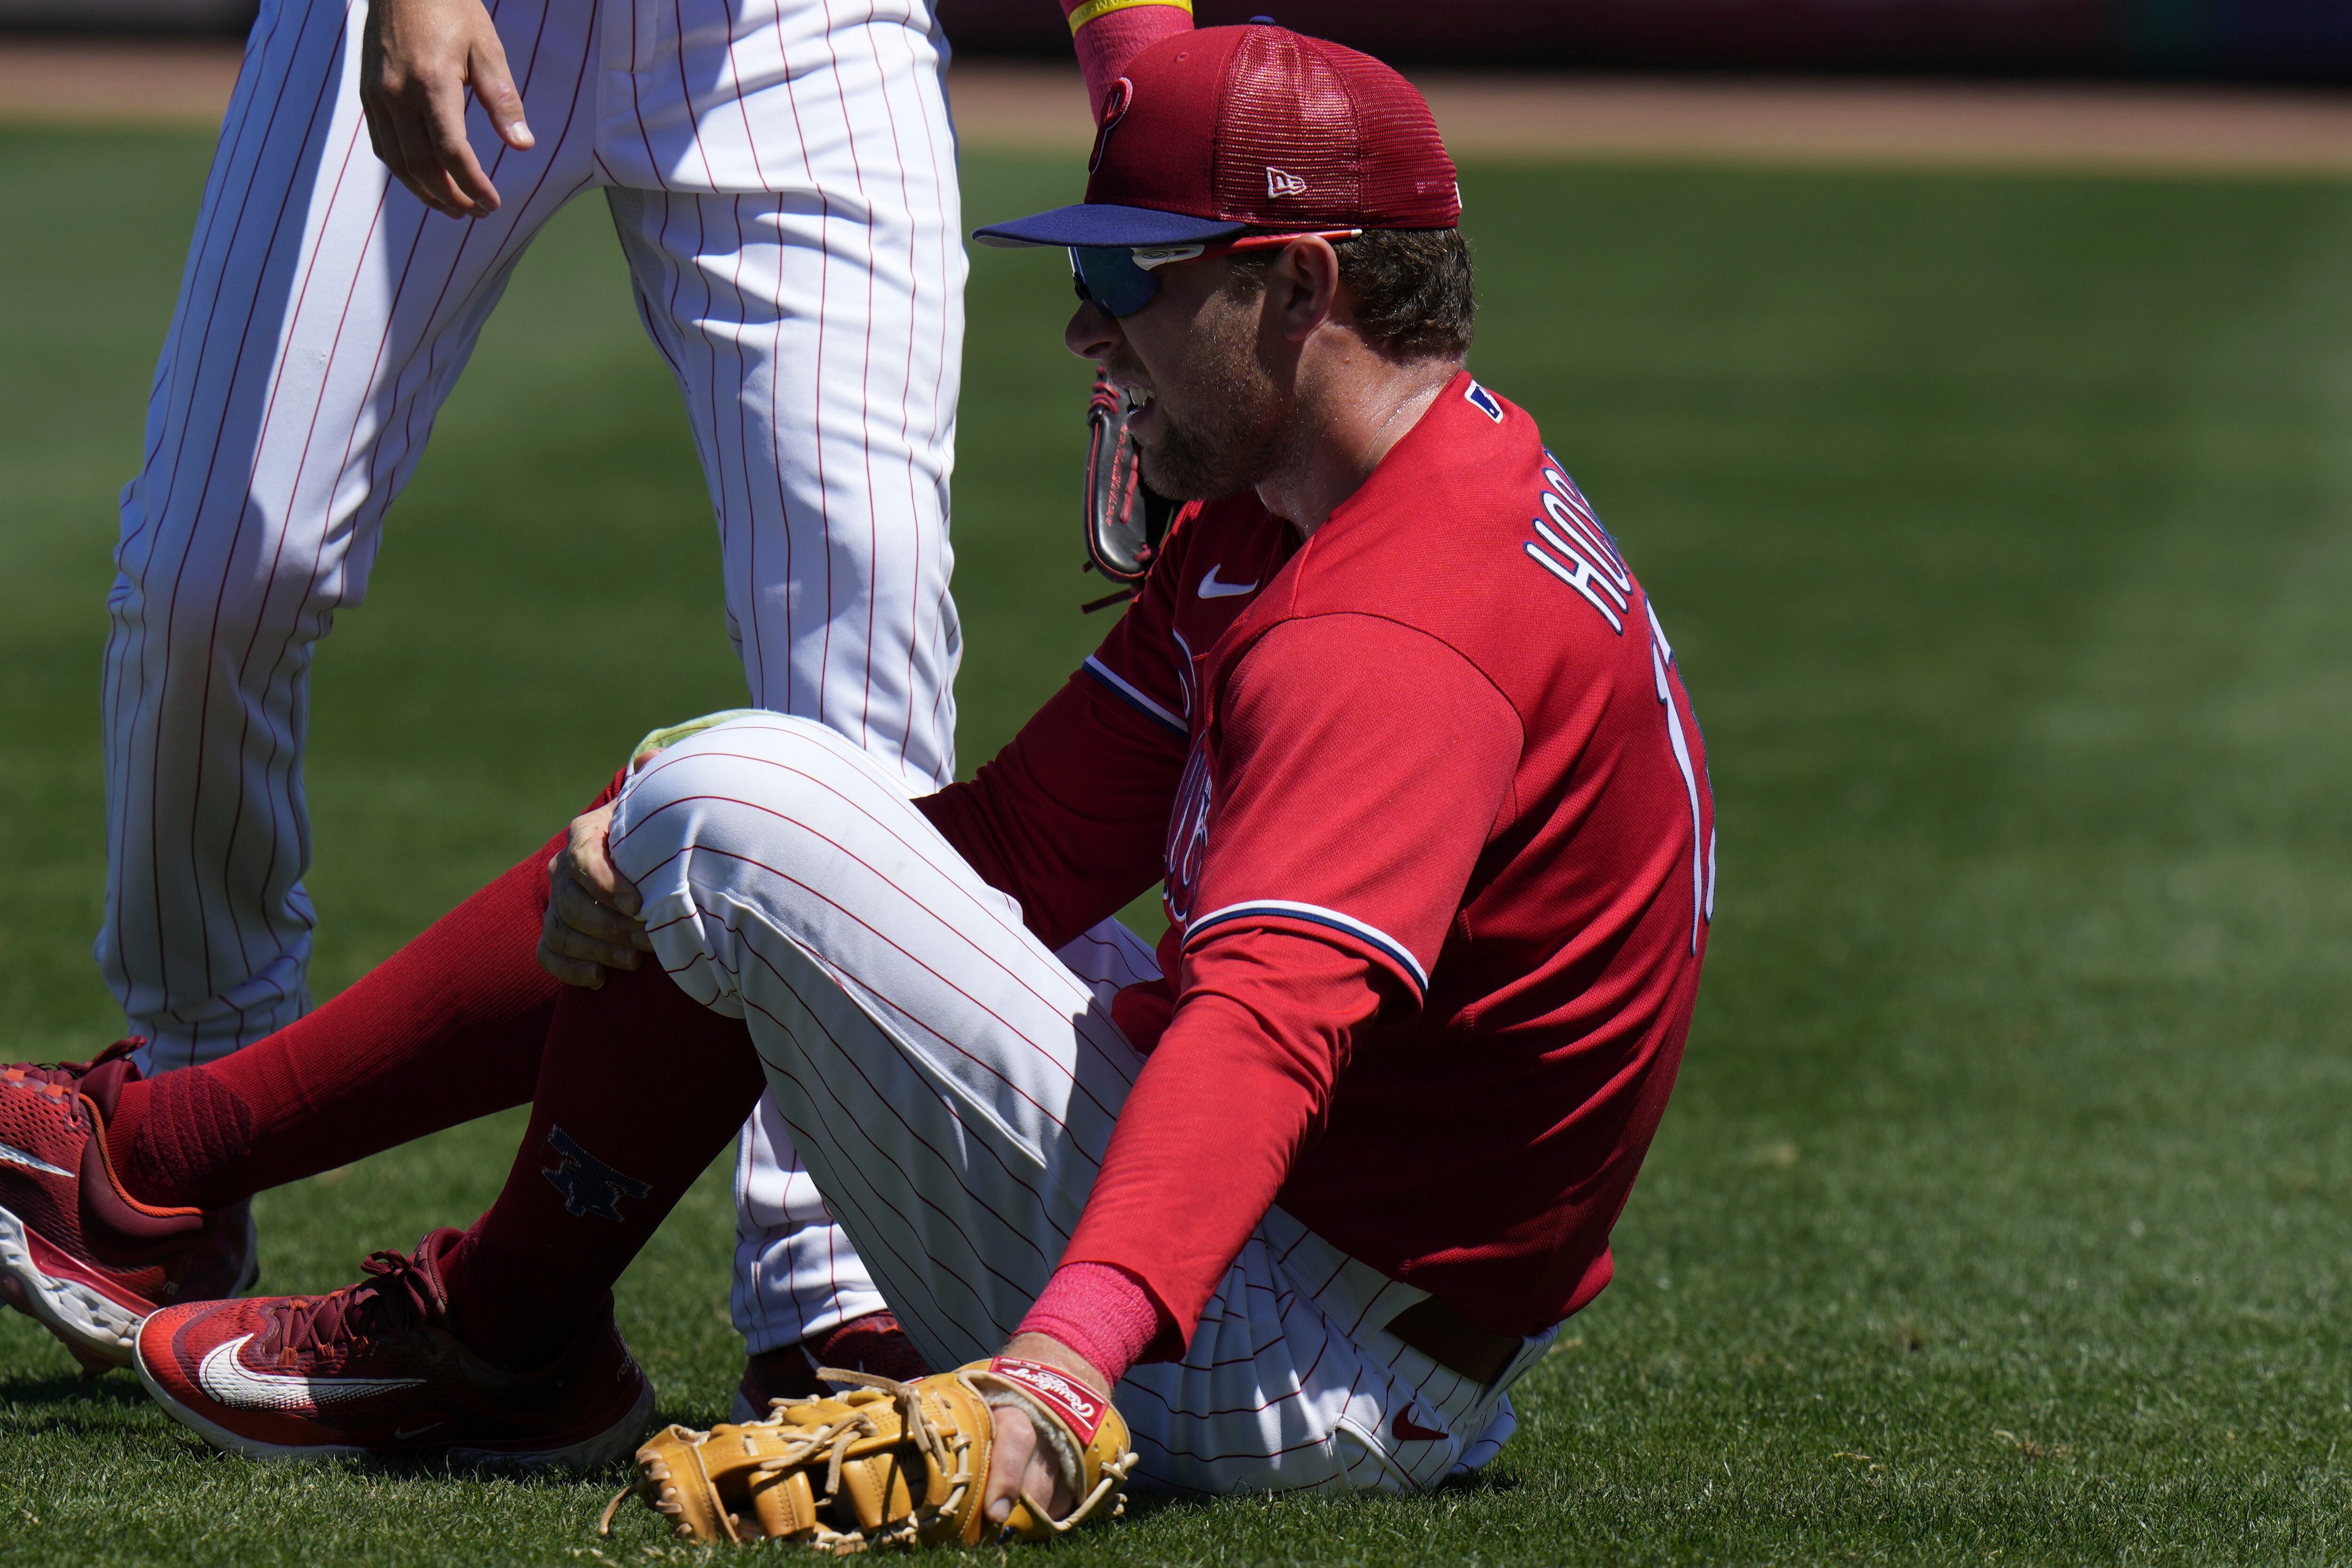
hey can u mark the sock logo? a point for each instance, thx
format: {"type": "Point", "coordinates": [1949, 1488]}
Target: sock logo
{"type": "Point", "coordinates": [589, 1185]}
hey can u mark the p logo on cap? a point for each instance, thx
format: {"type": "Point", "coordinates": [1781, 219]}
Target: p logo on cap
{"type": "Point", "coordinates": [1116, 98]}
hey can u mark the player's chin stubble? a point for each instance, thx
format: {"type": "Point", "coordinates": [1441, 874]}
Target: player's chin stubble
{"type": "Point", "coordinates": [1221, 417]}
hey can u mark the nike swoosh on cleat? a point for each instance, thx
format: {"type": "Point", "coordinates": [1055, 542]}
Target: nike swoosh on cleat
{"type": "Point", "coordinates": [403, 1434]}
{"type": "Point", "coordinates": [231, 1383]}
{"type": "Point", "coordinates": [13, 1155]}
{"type": "Point", "coordinates": [1406, 1431]}
{"type": "Point", "coordinates": [1211, 589]}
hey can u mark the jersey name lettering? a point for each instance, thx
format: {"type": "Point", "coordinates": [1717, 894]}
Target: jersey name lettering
{"type": "Point", "coordinates": [1572, 546]}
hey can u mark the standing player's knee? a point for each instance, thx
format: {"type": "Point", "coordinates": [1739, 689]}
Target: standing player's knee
{"type": "Point", "coordinates": [199, 620]}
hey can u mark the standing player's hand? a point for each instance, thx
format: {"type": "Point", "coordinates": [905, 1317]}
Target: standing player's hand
{"type": "Point", "coordinates": [417, 60]}
{"type": "Point", "coordinates": [592, 922]}
{"type": "Point", "coordinates": [1020, 1464]}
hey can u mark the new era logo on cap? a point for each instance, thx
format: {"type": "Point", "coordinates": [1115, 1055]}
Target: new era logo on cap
{"type": "Point", "coordinates": [1281, 182]}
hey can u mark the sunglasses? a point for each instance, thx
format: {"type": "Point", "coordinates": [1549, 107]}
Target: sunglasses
{"type": "Point", "coordinates": [1123, 278]}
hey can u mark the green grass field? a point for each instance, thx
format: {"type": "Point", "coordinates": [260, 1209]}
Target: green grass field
{"type": "Point", "coordinates": [2004, 527]}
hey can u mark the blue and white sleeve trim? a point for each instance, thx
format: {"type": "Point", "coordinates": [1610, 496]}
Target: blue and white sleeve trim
{"type": "Point", "coordinates": [1315, 914]}
{"type": "Point", "coordinates": [1133, 697]}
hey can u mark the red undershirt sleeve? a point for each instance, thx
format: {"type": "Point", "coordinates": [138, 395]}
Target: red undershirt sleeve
{"type": "Point", "coordinates": [1360, 768]}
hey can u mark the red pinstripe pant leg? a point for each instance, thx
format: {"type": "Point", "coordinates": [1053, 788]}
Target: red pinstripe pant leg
{"type": "Point", "coordinates": [323, 316]}
{"type": "Point", "coordinates": [952, 1086]}
{"type": "Point", "coordinates": [799, 212]}
{"type": "Point", "coordinates": [786, 195]}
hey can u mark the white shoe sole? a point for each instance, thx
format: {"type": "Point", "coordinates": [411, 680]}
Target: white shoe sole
{"type": "Point", "coordinates": [594, 1452]}
{"type": "Point", "coordinates": [92, 1326]}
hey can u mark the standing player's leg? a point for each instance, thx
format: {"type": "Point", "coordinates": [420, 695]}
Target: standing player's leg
{"type": "Point", "coordinates": [815, 331]}
{"type": "Point", "coordinates": [323, 316]}
{"type": "Point", "coordinates": [953, 1086]}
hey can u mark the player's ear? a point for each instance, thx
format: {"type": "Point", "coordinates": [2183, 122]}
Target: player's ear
{"type": "Point", "coordinates": [1303, 285]}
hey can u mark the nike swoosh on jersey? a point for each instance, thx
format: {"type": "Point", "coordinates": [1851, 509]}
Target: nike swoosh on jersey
{"type": "Point", "coordinates": [1406, 1431]}
{"type": "Point", "coordinates": [13, 1155]}
{"type": "Point", "coordinates": [229, 1380]}
{"type": "Point", "coordinates": [1211, 589]}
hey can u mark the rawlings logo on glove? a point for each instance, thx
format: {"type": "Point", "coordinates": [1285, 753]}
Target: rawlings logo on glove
{"type": "Point", "coordinates": [883, 1463]}
{"type": "Point", "coordinates": [1078, 1409]}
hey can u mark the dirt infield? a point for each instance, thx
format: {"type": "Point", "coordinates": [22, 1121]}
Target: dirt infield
{"type": "Point", "coordinates": [2114, 127]}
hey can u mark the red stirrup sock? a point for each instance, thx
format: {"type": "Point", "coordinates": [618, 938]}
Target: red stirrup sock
{"type": "Point", "coordinates": [446, 1029]}
{"type": "Point", "coordinates": [639, 1088]}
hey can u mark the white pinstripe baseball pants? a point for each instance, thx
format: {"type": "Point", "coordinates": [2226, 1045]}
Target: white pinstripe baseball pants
{"type": "Point", "coordinates": [781, 176]}
{"type": "Point", "coordinates": [952, 1086]}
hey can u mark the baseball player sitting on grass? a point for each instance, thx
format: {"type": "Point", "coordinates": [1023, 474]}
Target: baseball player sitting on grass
{"type": "Point", "coordinates": [1390, 718]}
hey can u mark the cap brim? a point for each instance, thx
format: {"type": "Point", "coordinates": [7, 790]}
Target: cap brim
{"type": "Point", "coordinates": [1090, 223]}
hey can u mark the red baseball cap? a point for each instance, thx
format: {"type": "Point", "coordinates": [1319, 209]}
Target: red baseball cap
{"type": "Point", "coordinates": [1227, 130]}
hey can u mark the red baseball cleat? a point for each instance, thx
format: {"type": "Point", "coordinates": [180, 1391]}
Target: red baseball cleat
{"type": "Point", "coordinates": [77, 1252]}
{"type": "Point", "coordinates": [376, 1369]}
{"type": "Point", "coordinates": [874, 1343]}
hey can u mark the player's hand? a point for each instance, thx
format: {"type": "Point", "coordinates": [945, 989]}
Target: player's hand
{"type": "Point", "coordinates": [592, 922]}
{"type": "Point", "coordinates": [417, 60]}
{"type": "Point", "coordinates": [1019, 1463]}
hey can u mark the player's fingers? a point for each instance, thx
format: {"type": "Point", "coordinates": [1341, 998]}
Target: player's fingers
{"type": "Point", "coordinates": [446, 128]}
{"type": "Point", "coordinates": [1008, 1461]}
{"type": "Point", "coordinates": [417, 169]}
{"type": "Point", "coordinates": [570, 943]}
{"type": "Point", "coordinates": [1042, 1480]}
{"type": "Point", "coordinates": [494, 87]}
{"type": "Point", "coordinates": [384, 138]}
{"type": "Point", "coordinates": [386, 151]}
{"type": "Point", "coordinates": [588, 929]}
{"type": "Point", "coordinates": [588, 847]}
{"type": "Point", "coordinates": [569, 970]}
{"type": "Point", "coordinates": [576, 957]}
{"type": "Point", "coordinates": [411, 112]}
{"type": "Point", "coordinates": [578, 909]}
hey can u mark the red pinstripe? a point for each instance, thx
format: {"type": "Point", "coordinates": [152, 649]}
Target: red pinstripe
{"type": "Point", "coordinates": [508, 243]}
{"type": "Point", "coordinates": [1011, 1176]}
{"type": "Point", "coordinates": [1017, 979]}
{"type": "Point", "coordinates": [204, 487]}
{"type": "Point", "coordinates": [988, 909]}
{"type": "Point", "coordinates": [983, 1064]}
{"type": "Point", "coordinates": [938, 377]}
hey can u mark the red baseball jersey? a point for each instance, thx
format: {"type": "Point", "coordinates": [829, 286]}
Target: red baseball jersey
{"type": "Point", "coordinates": [1432, 814]}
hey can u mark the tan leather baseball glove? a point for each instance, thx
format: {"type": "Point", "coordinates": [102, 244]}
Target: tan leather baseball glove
{"type": "Point", "coordinates": [883, 1463]}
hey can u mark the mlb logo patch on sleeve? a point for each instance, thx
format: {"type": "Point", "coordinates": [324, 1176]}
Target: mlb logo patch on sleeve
{"type": "Point", "coordinates": [1479, 398]}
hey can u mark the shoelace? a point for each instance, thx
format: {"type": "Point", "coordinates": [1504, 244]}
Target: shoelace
{"type": "Point", "coordinates": [66, 1075]}
{"type": "Point", "coordinates": [398, 1294]}
{"type": "Point", "coordinates": [63, 1079]}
